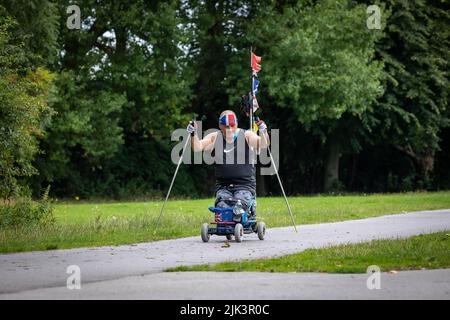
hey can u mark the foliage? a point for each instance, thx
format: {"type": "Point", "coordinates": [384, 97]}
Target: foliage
{"type": "Point", "coordinates": [120, 94]}
{"type": "Point", "coordinates": [23, 111]}
{"type": "Point", "coordinates": [37, 27]}
{"type": "Point", "coordinates": [320, 64]}
{"type": "Point", "coordinates": [341, 94]}
{"type": "Point", "coordinates": [416, 51]}
{"type": "Point", "coordinates": [24, 212]}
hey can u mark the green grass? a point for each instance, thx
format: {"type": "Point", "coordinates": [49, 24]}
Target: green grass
{"type": "Point", "coordinates": [94, 224]}
{"type": "Point", "coordinates": [429, 251]}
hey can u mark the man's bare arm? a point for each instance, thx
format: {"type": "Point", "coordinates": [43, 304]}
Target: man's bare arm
{"type": "Point", "coordinates": [257, 142]}
{"type": "Point", "coordinates": [206, 143]}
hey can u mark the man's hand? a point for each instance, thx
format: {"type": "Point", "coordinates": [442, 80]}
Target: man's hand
{"type": "Point", "coordinates": [192, 128]}
{"type": "Point", "coordinates": [261, 126]}
{"type": "Point", "coordinates": [260, 140]}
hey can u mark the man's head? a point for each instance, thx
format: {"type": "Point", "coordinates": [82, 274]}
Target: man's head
{"type": "Point", "coordinates": [228, 123]}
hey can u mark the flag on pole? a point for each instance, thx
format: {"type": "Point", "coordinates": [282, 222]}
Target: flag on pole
{"type": "Point", "coordinates": [255, 104]}
{"type": "Point", "coordinates": [256, 67]}
{"type": "Point", "coordinates": [255, 86]}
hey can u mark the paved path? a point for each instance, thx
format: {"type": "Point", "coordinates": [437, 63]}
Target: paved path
{"type": "Point", "coordinates": [255, 286]}
{"type": "Point", "coordinates": [105, 265]}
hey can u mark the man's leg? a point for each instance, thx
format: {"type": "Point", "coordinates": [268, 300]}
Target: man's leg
{"type": "Point", "coordinates": [222, 194]}
{"type": "Point", "coordinates": [246, 198]}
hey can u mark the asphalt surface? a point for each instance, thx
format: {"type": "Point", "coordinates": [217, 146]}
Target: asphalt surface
{"type": "Point", "coordinates": [254, 286]}
{"type": "Point", "coordinates": [134, 271]}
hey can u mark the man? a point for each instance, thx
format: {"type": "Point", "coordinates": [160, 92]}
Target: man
{"type": "Point", "coordinates": [233, 149]}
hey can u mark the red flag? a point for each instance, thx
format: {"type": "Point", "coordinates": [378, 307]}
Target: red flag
{"type": "Point", "coordinates": [256, 67]}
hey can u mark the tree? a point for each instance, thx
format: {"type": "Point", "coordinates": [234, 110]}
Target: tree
{"type": "Point", "coordinates": [121, 91]}
{"type": "Point", "coordinates": [218, 37]}
{"type": "Point", "coordinates": [414, 108]}
{"type": "Point", "coordinates": [320, 63]}
{"type": "Point", "coordinates": [24, 112]}
{"type": "Point", "coordinates": [37, 27]}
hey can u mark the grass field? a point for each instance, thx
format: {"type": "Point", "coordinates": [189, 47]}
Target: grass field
{"type": "Point", "coordinates": [429, 251]}
{"type": "Point", "coordinates": [95, 224]}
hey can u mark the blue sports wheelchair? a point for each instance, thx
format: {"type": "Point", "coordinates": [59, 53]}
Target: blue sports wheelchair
{"type": "Point", "coordinates": [234, 220]}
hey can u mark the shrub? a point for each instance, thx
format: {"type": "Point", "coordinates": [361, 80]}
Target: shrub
{"type": "Point", "coordinates": [26, 212]}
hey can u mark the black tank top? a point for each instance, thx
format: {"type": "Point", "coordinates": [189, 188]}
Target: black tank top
{"type": "Point", "coordinates": [233, 162]}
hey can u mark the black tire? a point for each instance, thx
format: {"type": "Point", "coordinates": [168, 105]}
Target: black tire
{"type": "Point", "coordinates": [238, 232]}
{"type": "Point", "coordinates": [261, 229]}
{"type": "Point", "coordinates": [204, 233]}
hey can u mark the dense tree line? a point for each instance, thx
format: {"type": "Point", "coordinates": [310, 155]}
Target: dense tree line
{"type": "Point", "coordinates": [90, 111]}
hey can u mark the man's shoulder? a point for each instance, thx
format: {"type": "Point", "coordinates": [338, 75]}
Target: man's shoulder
{"type": "Point", "coordinates": [212, 134]}
{"type": "Point", "coordinates": [248, 132]}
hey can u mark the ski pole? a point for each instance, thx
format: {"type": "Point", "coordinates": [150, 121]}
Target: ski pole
{"type": "Point", "coordinates": [279, 181]}
{"type": "Point", "coordinates": [171, 184]}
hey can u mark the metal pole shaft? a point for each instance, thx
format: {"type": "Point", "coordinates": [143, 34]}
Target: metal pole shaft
{"type": "Point", "coordinates": [171, 184]}
{"type": "Point", "coordinates": [268, 149]}
{"type": "Point", "coordinates": [281, 185]}
{"type": "Point", "coordinates": [251, 78]}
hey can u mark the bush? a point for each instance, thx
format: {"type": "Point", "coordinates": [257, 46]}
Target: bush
{"type": "Point", "coordinates": [26, 212]}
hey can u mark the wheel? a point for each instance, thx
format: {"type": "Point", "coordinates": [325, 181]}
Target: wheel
{"type": "Point", "coordinates": [204, 233]}
{"type": "Point", "coordinates": [229, 236]}
{"type": "Point", "coordinates": [261, 228]}
{"type": "Point", "coordinates": [238, 232]}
